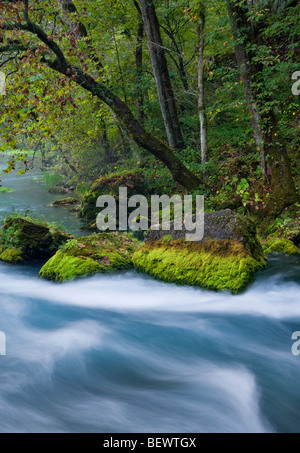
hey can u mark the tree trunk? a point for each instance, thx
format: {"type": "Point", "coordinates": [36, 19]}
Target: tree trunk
{"type": "Point", "coordinates": [178, 59]}
{"type": "Point", "coordinates": [135, 129]}
{"type": "Point", "coordinates": [275, 163]}
{"type": "Point", "coordinates": [161, 73]}
{"type": "Point", "coordinates": [74, 24]}
{"type": "Point", "coordinates": [201, 104]}
{"type": "Point", "coordinates": [283, 191]}
{"type": "Point", "coordinates": [238, 23]}
{"type": "Point", "coordinates": [104, 140]}
{"type": "Point", "coordinates": [71, 166]}
{"type": "Point", "coordinates": [139, 72]}
{"type": "Point", "coordinates": [119, 65]}
{"type": "Point", "coordinates": [142, 138]}
{"type": "Point", "coordinates": [123, 137]}
{"type": "Point", "coordinates": [78, 29]}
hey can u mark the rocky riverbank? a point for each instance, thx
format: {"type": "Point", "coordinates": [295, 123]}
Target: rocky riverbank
{"type": "Point", "coordinates": [226, 258]}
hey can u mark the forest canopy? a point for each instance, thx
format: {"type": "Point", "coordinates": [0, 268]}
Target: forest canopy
{"type": "Point", "coordinates": [196, 95]}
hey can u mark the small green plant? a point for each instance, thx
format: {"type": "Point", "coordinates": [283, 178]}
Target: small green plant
{"type": "Point", "coordinates": [254, 200]}
{"type": "Point", "coordinates": [242, 191]}
{"type": "Point", "coordinates": [52, 179]}
{"type": "Point", "coordinates": [83, 188]}
{"type": "Point", "coordinates": [71, 244]}
{"type": "Point", "coordinates": [6, 190]}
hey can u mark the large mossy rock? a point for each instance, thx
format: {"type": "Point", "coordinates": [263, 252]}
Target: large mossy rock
{"type": "Point", "coordinates": [109, 185]}
{"type": "Point", "coordinates": [26, 239]}
{"type": "Point", "coordinates": [225, 259]}
{"type": "Point", "coordinates": [89, 255]}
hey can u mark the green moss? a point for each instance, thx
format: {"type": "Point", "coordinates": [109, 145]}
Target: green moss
{"type": "Point", "coordinates": [212, 264]}
{"type": "Point", "coordinates": [11, 255]}
{"type": "Point", "coordinates": [99, 253]}
{"type": "Point", "coordinates": [246, 229]}
{"type": "Point", "coordinates": [33, 239]}
{"type": "Point", "coordinates": [64, 267]}
{"type": "Point", "coordinates": [66, 201]}
{"type": "Point", "coordinates": [167, 238]}
{"type": "Point", "coordinates": [286, 226]}
{"type": "Point", "coordinates": [134, 181]}
{"type": "Point", "coordinates": [280, 246]}
{"type": "Point", "coordinates": [6, 190]}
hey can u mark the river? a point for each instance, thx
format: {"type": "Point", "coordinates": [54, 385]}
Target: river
{"type": "Point", "coordinates": [126, 353]}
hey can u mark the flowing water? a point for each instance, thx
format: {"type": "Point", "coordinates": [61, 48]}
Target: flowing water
{"type": "Point", "coordinates": [126, 353]}
{"type": "Point", "coordinates": [30, 194]}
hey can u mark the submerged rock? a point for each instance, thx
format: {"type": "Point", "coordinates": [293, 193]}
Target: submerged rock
{"type": "Point", "coordinates": [59, 189]}
{"type": "Point", "coordinates": [88, 255]}
{"type": "Point", "coordinates": [65, 201]}
{"type": "Point", "coordinates": [25, 239]}
{"type": "Point", "coordinates": [226, 258]}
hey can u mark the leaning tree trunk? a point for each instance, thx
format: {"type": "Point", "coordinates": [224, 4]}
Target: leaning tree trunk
{"type": "Point", "coordinates": [135, 129]}
{"type": "Point", "coordinates": [161, 73]}
{"type": "Point", "coordinates": [80, 77]}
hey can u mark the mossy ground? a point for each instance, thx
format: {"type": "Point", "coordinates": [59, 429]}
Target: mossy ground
{"type": "Point", "coordinates": [282, 235]}
{"type": "Point", "coordinates": [280, 245]}
{"type": "Point", "coordinates": [28, 239]}
{"type": "Point", "coordinates": [212, 264]}
{"type": "Point", "coordinates": [99, 253]}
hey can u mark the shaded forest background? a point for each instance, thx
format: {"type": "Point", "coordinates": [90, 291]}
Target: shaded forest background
{"type": "Point", "coordinates": [161, 96]}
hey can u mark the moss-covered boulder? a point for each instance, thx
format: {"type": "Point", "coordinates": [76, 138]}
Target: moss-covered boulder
{"type": "Point", "coordinates": [226, 258]}
{"type": "Point", "coordinates": [23, 239]}
{"type": "Point", "coordinates": [88, 255]}
{"type": "Point", "coordinates": [109, 185]}
{"type": "Point", "coordinates": [66, 201]}
{"type": "Point", "coordinates": [11, 255]}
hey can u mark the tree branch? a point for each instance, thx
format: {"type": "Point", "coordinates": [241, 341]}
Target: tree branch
{"type": "Point", "coordinates": [26, 6]}
{"type": "Point", "coordinates": [156, 147]}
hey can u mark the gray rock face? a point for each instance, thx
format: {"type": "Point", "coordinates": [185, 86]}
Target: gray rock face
{"type": "Point", "coordinates": [223, 224]}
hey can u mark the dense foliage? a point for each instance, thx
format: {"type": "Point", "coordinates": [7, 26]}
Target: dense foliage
{"type": "Point", "coordinates": [84, 94]}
